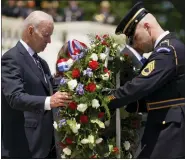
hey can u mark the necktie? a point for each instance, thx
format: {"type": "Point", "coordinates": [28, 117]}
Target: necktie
{"type": "Point", "coordinates": [39, 65]}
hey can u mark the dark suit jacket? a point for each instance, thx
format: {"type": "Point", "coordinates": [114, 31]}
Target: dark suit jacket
{"type": "Point", "coordinates": [27, 129]}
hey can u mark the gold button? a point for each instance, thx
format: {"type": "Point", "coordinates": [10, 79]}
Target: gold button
{"type": "Point", "coordinates": [163, 122]}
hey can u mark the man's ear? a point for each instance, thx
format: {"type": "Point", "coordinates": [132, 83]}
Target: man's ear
{"type": "Point", "coordinates": [146, 26]}
{"type": "Point", "coordinates": [30, 30]}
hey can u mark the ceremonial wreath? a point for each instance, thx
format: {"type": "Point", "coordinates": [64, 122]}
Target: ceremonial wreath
{"type": "Point", "coordinates": [81, 123]}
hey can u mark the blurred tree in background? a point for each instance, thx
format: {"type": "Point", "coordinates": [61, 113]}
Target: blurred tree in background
{"type": "Point", "coordinates": [169, 13]}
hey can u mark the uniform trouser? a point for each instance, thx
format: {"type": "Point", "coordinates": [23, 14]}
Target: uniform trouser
{"type": "Point", "coordinates": [164, 140]}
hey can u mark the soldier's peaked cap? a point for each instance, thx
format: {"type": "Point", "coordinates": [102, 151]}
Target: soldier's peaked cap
{"type": "Point", "coordinates": [131, 19]}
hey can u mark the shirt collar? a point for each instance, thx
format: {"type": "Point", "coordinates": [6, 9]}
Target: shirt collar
{"type": "Point", "coordinates": [160, 37]}
{"type": "Point", "coordinates": [30, 51]}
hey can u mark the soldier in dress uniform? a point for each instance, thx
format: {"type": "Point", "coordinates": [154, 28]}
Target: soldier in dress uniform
{"type": "Point", "coordinates": [160, 85]}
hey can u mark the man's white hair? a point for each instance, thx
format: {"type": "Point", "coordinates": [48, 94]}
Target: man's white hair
{"type": "Point", "coordinates": [35, 18]}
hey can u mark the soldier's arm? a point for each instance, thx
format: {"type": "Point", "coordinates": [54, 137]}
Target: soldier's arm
{"type": "Point", "coordinates": [159, 70]}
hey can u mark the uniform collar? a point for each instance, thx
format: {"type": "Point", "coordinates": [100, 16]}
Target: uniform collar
{"type": "Point", "coordinates": [30, 51]}
{"type": "Point", "coordinates": [160, 38]}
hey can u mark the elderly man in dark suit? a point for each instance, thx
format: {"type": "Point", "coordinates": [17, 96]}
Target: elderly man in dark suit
{"type": "Point", "coordinates": [27, 99]}
{"type": "Point", "coordinates": [160, 85]}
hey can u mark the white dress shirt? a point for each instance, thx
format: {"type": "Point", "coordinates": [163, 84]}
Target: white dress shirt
{"type": "Point", "coordinates": [31, 52]}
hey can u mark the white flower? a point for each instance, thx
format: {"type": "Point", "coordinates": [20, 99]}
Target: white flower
{"type": "Point", "coordinates": [73, 125]}
{"type": "Point", "coordinates": [95, 103]}
{"type": "Point", "coordinates": [93, 45]}
{"type": "Point", "coordinates": [72, 84]}
{"type": "Point", "coordinates": [103, 56]}
{"type": "Point", "coordinates": [99, 140]}
{"type": "Point", "coordinates": [98, 86]}
{"type": "Point", "coordinates": [130, 156]}
{"type": "Point", "coordinates": [55, 125]}
{"type": "Point", "coordinates": [63, 156]}
{"type": "Point", "coordinates": [105, 76]}
{"type": "Point", "coordinates": [98, 122]}
{"type": "Point", "coordinates": [82, 107]}
{"type": "Point", "coordinates": [91, 139]}
{"type": "Point", "coordinates": [94, 57]}
{"type": "Point", "coordinates": [84, 141]}
{"type": "Point", "coordinates": [75, 128]}
{"type": "Point", "coordinates": [126, 145]}
{"type": "Point", "coordinates": [107, 123]}
{"type": "Point", "coordinates": [70, 62]}
{"type": "Point", "coordinates": [114, 45]}
{"type": "Point", "coordinates": [110, 148]}
{"type": "Point", "coordinates": [121, 59]}
{"type": "Point", "coordinates": [67, 151]}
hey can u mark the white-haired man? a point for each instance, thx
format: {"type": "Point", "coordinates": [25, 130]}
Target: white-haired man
{"type": "Point", "coordinates": [27, 98]}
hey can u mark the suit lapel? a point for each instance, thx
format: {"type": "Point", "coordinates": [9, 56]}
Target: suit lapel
{"type": "Point", "coordinates": [29, 61]}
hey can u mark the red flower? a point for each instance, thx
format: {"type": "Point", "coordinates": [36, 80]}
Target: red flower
{"type": "Point", "coordinates": [94, 156]}
{"type": "Point", "coordinates": [93, 65]}
{"type": "Point", "coordinates": [105, 36]}
{"type": "Point", "coordinates": [126, 54]}
{"type": "Point", "coordinates": [72, 105]}
{"type": "Point", "coordinates": [91, 87]}
{"type": "Point", "coordinates": [76, 73]}
{"type": "Point", "coordinates": [83, 119]}
{"type": "Point", "coordinates": [69, 141]}
{"type": "Point", "coordinates": [101, 114]}
{"type": "Point", "coordinates": [105, 43]}
{"type": "Point", "coordinates": [98, 37]}
{"type": "Point", "coordinates": [106, 71]}
{"type": "Point", "coordinates": [62, 145]}
{"type": "Point", "coordinates": [115, 150]}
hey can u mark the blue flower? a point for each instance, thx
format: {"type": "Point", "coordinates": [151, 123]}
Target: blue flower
{"type": "Point", "coordinates": [61, 123]}
{"type": "Point", "coordinates": [63, 81]}
{"type": "Point", "coordinates": [79, 89]}
{"type": "Point", "coordinates": [88, 72]}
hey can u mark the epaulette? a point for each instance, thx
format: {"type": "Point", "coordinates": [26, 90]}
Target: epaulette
{"type": "Point", "coordinates": [163, 49]}
{"type": "Point", "coordinates": [164, 46]}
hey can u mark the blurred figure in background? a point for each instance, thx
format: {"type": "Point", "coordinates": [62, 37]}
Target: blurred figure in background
{"type": "Point", "coordinates": [21, 5]}
{"type": "Point", "coordinates": [105, 15]}
{"type": "Point", "coordinates": [29, 7]}
{"type": "Point", "coordinates": [52, 9]}
{"type": "Point", "coordinates": [73, 12]}
{"type": "Point", "coordinates": [10, 9]}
